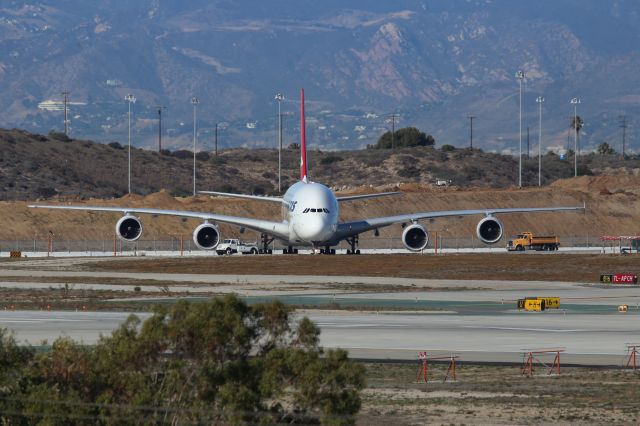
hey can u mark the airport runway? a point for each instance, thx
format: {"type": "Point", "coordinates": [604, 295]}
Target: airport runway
{"type": "Point", "coordinates": [588, 339]}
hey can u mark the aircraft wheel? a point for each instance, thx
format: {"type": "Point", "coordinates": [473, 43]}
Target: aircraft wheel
{"type": "Point", "coordinates": [358, 251]}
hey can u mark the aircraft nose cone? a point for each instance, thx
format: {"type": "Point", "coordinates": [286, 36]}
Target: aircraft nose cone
{"type": "Point", "coordinates": [313, 228]}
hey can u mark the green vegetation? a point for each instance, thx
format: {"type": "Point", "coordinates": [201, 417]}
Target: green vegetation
{"type": "Point", "coordinates": [605, 149]}
{"type": "Point", "coordinates": [330, 159]}
{"type": "Point", "coordinates": [204, 363]}
{"type": "Point", "coordinates": [403, 138]}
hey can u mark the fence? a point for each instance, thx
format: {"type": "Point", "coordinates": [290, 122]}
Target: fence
{"type": "Point", "coordinates": [177, 243]}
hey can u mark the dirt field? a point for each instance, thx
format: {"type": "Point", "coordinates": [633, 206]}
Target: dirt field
{"type": "Point", "coordinates": [613, 207]}
{"type": "Point", "coordinates": [508, 266]}
{"type": "Point", "coordinates": [499, 395]}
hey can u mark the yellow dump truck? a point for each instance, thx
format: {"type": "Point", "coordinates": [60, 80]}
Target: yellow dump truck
{"type": "Point", "coordinates": [528, 241]}
{"type": "Point", "coordinates": [539, 303]}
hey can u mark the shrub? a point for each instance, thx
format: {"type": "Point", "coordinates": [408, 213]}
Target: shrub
{"type": "Point", "coordinates": [183, 154]}
{"type": "Point", "coordinates": [59, 136]}
{"type": "Point", "coordinates": [330, 159]}
{"type": "Point", "coordinates": [203, 156]}
{"type": "Point", "coordinates": [115, 145]}
{"type": "Point", "coordinates": [447, 148]}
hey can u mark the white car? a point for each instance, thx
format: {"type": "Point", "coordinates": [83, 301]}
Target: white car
{"type": "Point", "coordinates": [232, 246]}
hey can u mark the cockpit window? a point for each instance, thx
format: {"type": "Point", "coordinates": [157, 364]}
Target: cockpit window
{"type": "Point", "coordinates": [313, 210]}
{"type": "Point", "coordinates": [326, 210]}
{"type": "Point", "coordinates": [305, 210]}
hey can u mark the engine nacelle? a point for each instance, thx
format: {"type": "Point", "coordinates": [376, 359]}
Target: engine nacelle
{"type": "Point", "coordinates": [489, 230]}
{"type": "Point", "coordinates": [129, 228]}
{"type": "Point", "coordinates": [206, 236]}
{"type": "Point", "coordinates": [415, 237]}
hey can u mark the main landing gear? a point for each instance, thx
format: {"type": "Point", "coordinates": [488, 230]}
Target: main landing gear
{"type": "Point", "coordinates": [265, 241]}
{"type": "Point", "coordinates": [327, 250]}
{"type": "Point", "coordinates": [353, 242]}
{"type": "Point", "coordinates": [290, 250]}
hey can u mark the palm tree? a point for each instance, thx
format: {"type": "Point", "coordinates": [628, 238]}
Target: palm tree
{"type": "Point", "coordinates": [577, 123]}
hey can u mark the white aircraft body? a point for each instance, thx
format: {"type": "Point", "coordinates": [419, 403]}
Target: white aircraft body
{"type": "Point", "coordinates": [311, 217]}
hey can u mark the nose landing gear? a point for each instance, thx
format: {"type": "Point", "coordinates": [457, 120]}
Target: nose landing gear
{"type": "Point", "coordinates": [353, 242]}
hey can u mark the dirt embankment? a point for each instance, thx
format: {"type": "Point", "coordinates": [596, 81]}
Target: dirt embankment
{"type": "Point", "coordinates": [613, 207]}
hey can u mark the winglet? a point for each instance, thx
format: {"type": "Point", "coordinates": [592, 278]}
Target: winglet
{"type": "Point", "coordinates": [303, 140]}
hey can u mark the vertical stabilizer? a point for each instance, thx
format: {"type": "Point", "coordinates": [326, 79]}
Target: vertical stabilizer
{"type": "Point", "coordinates": [303, 140]}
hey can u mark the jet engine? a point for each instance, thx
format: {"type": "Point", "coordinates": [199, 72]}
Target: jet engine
{"type": "Point", "coordinates": [206, 236]}
{"type": "Point", "coordinates": [129, 228]}
{"type": "Point", "coordinates": [415, 237]}
{"type": "Point", "coordinates": [489, 230]}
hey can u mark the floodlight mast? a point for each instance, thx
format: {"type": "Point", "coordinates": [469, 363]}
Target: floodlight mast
{"type": "Point", "coordinates": [194, 101]}
{"type": "Point", "coordinates": [540, 101]}
{"type": "Point", "coordinates": [575, 102]}
{"type": "Point", "coordinates": [520, 75]}
{"type": "Point", "coordinates": [279, 97]}
{"type": "Point", "coordinates": [131, 99]}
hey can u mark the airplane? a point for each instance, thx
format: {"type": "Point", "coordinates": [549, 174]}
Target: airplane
{"type": "Point", "coordinates": [311, 217]}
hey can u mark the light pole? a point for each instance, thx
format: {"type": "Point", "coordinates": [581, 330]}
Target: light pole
{"type": "Point", "coordinates": [131, 99]}
{"type": "Point", "coordinates": [575, 102]}
{"type": "Point", "coordinates": [194, 101]}
{"type": "Point", "coordinates": [520, 76]}
{"type": "Point", "coordinates": [279, 98]}
{"type": "Point", "coordinates": [540, 101]}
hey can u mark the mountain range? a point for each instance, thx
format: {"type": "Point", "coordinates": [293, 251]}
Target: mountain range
{"type": "Point", "coordinates": [366, 67]}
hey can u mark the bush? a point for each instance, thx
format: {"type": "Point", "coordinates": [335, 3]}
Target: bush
{"type": "Point", "coordinates": [330, 159]}
{"type": "Point", "coordinates": [203, 156]}
{"type": "Point", "coordinates": [406, 137]}
{"type": "Point", "coordinates": [115, 145]}
{"type": "Point", "coordinates": [59, 136]}
{"type": "Point", "coordinates": [183, 154]}
{"type": "Point", "coordinates": [447, 148]}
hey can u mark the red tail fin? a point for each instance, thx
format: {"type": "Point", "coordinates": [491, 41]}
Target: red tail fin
{"type": "Point", "coordinates": [303, 140]}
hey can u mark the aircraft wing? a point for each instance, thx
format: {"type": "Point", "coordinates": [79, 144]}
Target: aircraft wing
{"type": "Point", "coordinates": [277, 229]}
{"type": "Point", "coordinates": [347, 229]}
{"type": "Point", "coordinates": [248, 197]}
{"type": "Point", "coordinates": [361, 197]}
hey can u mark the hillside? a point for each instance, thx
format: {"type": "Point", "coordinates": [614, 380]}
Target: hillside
{"type": "Point", "coordinates": [432, 63]}
{"type": "Point", "coordinates": [613, 207]}
{"type": "Point", "coordinates": [41, 167]}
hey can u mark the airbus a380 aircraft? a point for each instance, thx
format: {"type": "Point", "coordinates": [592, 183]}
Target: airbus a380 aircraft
{"type": "Point", "coordinates": [311, 217]}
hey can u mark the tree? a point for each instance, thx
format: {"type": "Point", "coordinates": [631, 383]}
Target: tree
{"type": "Point", "coordinates": [220, 361]}
{"type": "Point", "coordinates": [605, 149]}
{"type": "Point", "coordinates": [406, 137]}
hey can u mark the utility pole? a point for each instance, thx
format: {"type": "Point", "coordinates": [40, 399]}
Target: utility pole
{"type": "Point", "coordinates": [160, 108]}
{"type": "Point", "coordinates": [528, 151]}
{"type": "Point", "coordinates": [216, 139]}
{"type": "Point", "coordinates": [66, 109]}
{"type": "Point", "coordinates": [471, 117]}
{"type": "Point", "coordinates": [393, 129]}
{"type": "Point", "coordinates": [623, 126]}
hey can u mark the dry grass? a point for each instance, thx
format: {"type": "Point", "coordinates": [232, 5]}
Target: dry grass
{"type": "Point", "coordinates": [507, 266]}
{"type": "Point", "coordinates": [499, 395]}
